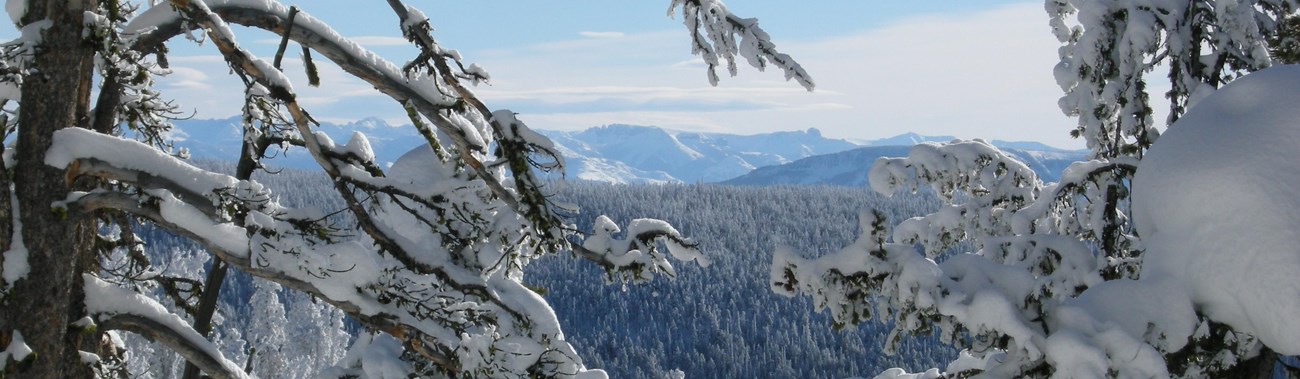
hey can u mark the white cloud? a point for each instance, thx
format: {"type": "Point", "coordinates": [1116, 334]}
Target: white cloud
{"type": "Point", "coordinates": [601, 34]}
{"type": "Point", "coordinates": [981, 75]}
{"type": "Point", "coordinates": [985, 74]}
{"type": "Point", "coordinates": [187, 77]}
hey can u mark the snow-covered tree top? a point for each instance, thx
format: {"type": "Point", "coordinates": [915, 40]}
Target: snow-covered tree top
{"type": "Point", "coordinates": [1214, 201]}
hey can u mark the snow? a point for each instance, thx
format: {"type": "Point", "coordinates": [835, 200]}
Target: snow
{"type": "Point", "coordinates": [359, 145]}
{"type": "Point", "coordinates": [967, 361]}
{"type": "Point", "coordinates": [1122, 324]}
{"type": "Point", "coordinates": [84, 322]}
{"type": "Point", "coordinates": [371, 356]}
{"type": "Point", "coordinates": [71, 144]}
{"type": "Point", "coordinates": [898, 373]}
{"type": "Point", "coordinates": [10, 91]}
{"type": "Point", "coordinates": [414, 17]}
{"type": "Point", "coordinates": [273, 75]}
{"type": "Point", "coordinates": [683, 253]}
{"type": "Point", "coordinates": [424, 85]}
{"type": "Point", "coordinates": [75, 143]}
{"type": "Point", "coordinates": [1214, 201]}
{"type": "Point", "coordinates": [16, 10]}
{"type": "Point", "coordinates": [17, 350]}
{"type": "Point", "coordinates": [630, 250]}
{"type": "Point", "coordinates": [106, 299]}
{"type": "Point", "coordinates": [380, 359]}
{"type": "Point", "coordinates": [30, 36]}
{"type": "Point", "coordinates": [229, 236]}
{"type": "Point", "coordinates": [88, 357]}
{"type": "Point", "coordinates": [15, 262]}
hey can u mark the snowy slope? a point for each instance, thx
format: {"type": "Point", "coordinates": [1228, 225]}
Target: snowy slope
{"type": "Point", "coordinates": [905, 139]}
{"type": "Point", "coordinates": [849, 168]}
{"type": "Point", "coordinates": [628, 153]}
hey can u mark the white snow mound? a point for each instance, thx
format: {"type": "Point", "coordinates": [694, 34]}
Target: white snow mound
{"type": "Point", "coordinates": [1216, 204]}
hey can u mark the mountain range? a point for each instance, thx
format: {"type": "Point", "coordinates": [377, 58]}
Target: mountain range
{"type": "Point", "coordinates": [849, 168]}
{"type": "Point", "coordinates": [632, 154]}
{"type": "Point", "coordinates": [645, 154]}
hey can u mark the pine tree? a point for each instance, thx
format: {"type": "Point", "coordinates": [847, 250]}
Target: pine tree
{"type": "Point", "coordinates": [437, 272]}
{"type": "Point", "coordinates": [1002, 267]}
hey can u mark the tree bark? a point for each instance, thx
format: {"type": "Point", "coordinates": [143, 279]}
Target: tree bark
{"type": "Point", "coordinates": [55, 95]}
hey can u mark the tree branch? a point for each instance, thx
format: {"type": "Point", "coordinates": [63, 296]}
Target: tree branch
{"type": "Point", "coordinates": [159, 332]}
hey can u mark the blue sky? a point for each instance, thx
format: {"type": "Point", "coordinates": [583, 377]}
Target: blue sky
{"type": "Point", "coordinates": [972, 69]}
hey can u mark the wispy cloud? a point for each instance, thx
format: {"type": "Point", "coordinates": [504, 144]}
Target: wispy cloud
{"type": "Point", "coordinates": [986, 74]}
{"type": "Point", "coordinates": [601, 34]}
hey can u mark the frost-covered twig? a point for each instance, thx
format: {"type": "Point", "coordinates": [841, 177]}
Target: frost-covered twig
{"type": "Point", "coordinates": [718, 35]}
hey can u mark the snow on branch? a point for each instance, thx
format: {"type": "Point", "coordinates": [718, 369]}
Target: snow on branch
{"type": "Point", "coordinates": [122, 309]}
{"type": "Point", "coordinates": [1037, 249]}
{"type": "Point", "coordinates": [636, 258]}
{"type": "Point", "coordinates": [718, 35]}
{"type": "Point", "coordinates": [1110, 46]}
{"type": "Point", "coordinates": [447, 233]}
{"type": "Point", "coordinates": [435, 95]}
{"type": "Point", "coordinates": [383, 294]}
{"type": "Point", "coordinates": [992, 183]}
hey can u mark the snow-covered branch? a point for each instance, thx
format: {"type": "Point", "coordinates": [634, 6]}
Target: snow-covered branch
{"type": "Point", "coordinates": [1036, 248]}
{"type": "Point", "coordinates": [122, 309]}
{"type": "Point", "coordinates": [1110, 46]}
{"type": "Point", "coordinates": [440, 263]}
{"type": "Point", "coordinates": [992, 184]}
{"type": "Point", "coordinates": [470, 132]}
{"type": "Point", "coordinates": [383, 294]}
{"type": "Point", "coordinates": [718, 35]}
{"type": "Point", "coordinates": [636, 258]}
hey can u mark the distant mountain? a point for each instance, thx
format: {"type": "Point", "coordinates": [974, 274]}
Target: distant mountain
{"type": "Point", "coordinates": [849, 168]}
{"type": "Point", "coordinates": [905, 139]}
{"type": "Point", "coordinates": [637, 154]}
{"type": "Point", "coordinates": [645, 154]}
{"type": "Point", "coordinates": [612, 153]}
{"type": "Point", "coordinates": [846, 168]}
{"type": "Point", "coordinates": [220, 139]}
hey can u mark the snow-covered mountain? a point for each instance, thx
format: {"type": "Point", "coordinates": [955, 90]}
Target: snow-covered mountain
{"type": "Point", "coordinates": [646, 154]}
{"type": "Point", "coordinates": [849, 168]}
{"type": "Point", "coordinates": [905, 139]}
{"type": "Point", "coordinates": [612, 153]}
{"type": "Point", "coordinates": [633, 154]}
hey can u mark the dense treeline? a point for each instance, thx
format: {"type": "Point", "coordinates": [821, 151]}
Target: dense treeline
{"type": "Point", "coordinates": [716, 321]}
{"type": "Point", "coordinates": [723, 321]}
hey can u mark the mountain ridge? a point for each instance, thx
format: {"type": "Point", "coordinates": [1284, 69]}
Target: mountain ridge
{"type": "Point", "coordinates": [627, 154]}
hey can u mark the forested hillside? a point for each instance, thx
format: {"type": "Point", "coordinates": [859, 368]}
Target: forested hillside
{"type": "Point", "coordinates": [719, 321]}
{"type": "Point", "coordinates": [723, 321]}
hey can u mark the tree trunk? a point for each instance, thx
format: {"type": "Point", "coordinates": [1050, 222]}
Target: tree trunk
{"type": "Point", "coordinates": [55, 95]}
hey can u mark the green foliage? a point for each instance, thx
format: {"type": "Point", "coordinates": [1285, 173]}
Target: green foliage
{"type": "Point", "coordinates": [1285, 45]}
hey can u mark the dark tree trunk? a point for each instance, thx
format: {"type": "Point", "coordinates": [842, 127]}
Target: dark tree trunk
{"type": "Point", "coordinates": [55, 95]}
{"type": "Point", "coordinates": [248, 158]}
